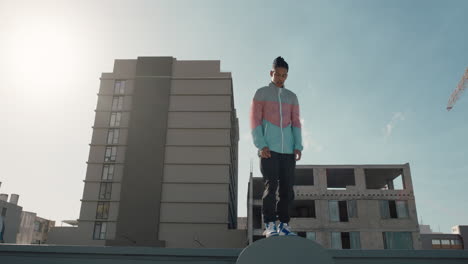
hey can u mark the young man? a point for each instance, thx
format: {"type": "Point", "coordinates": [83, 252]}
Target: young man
{"type": "Point", "coordinates": [276, 131]}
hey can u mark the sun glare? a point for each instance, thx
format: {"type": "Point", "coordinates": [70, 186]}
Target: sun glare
{"type": "Point", "coordinates": [40, 54]}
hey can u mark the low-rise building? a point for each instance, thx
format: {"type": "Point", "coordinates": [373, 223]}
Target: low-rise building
{"type": "Point", "coordinates": [21, 227]}
{"type": "Point", "coordinates": [347, 206]}
{"type": "Point", "coordinates": [33, 229]}
{"type": "Point", "coordinates": [10, 217]}
{"type": "Point", "coordinates": [458, 239]}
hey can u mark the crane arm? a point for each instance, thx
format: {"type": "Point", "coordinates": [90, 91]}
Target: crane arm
{"type": "Point", "coordinates": [458, 90]}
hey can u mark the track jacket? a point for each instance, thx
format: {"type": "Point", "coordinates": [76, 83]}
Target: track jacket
{"type": "Point", "coordinates": [274, 120]}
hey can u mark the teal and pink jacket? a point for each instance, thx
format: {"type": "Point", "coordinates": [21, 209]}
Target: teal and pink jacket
{"type": "Point", "coordinates": [274, 120]}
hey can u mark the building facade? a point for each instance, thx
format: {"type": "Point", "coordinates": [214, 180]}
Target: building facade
{"type": "Point", "coordinates": [162, 168]}
{"type": "Point", "coordinates": [21, 227]}
{"type": "Point", "coordinates": [347, 206]}
{"type": "Point", "coordinates": [458, 239]}
{"type": "Point", "coordinates": [33, 229]}
{"type": "Point", "coordinates": [10, 217]}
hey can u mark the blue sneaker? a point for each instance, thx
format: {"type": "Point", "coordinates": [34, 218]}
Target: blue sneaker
{"type": "Point", "coordinates": [270, 229]}
{"type": "Point", "coordinates": [283, 230]}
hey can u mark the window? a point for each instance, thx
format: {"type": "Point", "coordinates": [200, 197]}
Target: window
{"type": "Point", "coordinates": [258, 188]}
{"type": "Point", "coordinates": [393, 209]}
{"type": "Point", "coordinates": [398, 240]}
{"type": "Point", "coordinates": [311, 236]}
{"type": "Point", "coordinates": [345, 240]}
{"type": "Point", "coordinates": [352, 208]}
{"type": "Point", "coordinates": [341, 211]}
{"type": "Point", "coordinates": [108, 172]}
{"type": "Point", "coordinates": [456, 244]}
{"type": "Point", "coordinates": [36, 241]}
{"type": "Point", "coordinates": [445, 243]}
{"type": "Point", "coordinates": [436, 243]}
{"type": "Point", "coordinates": [4, 210]}
{"type": "Point", "coordinates": [304, 177]}
{"type": "Point", "coordinates": [338, 179]}
{"type": "Point", "coordinates": [100, 230]}
{"type": "Point", "coordinates": [302, 209]}
{"type": "Point", "coordinates": [113, 136]}
{"type": "Point", "coordinates": [102, 211]}
{"type": "Point", "coordinates": [105, 191]}
{"type": "Point", "coordinates": [402, 209]}
{"type": "Point", "coordinates": [337, 213]}
{"type": "Point", "coordinates": [384, 179]}
{"type": "Point", "coordinates": [355, 240]}
{"type": "Point", "coordinates": [115, 119]}
{"type": "Point", "coordinates": [257, 216]}
{"type": "Point", "coordinates": [117, 102]}
{"type": "Point", "coordinates": [336, 240]}
{"type": "Point", "coordinates": [301, 234]}
{"type": "Point", "coordinates": [119, 87]}
{"type": "Point", "coordinates": [111, 154]}
{"type": "Point", "coordinates": [37, 226]}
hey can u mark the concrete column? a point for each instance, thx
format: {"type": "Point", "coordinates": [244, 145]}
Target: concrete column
{"type": "Point", "coordinates": [145, 155]}
{"type": "Point", "coordinates": [407, 180]}
{"type": "Point", "coordinates": [321, 179]}
{"type": "Point", "coordinates": [360, 179]}
{"type": "Point", "coordinates": [321, 207]}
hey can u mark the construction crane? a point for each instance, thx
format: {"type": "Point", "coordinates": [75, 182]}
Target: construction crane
{"type": "Point", "coordinates": [458, 90]}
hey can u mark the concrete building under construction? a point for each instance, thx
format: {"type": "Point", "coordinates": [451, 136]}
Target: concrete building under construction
{"type": "Point", "coordinates": [347, 206]}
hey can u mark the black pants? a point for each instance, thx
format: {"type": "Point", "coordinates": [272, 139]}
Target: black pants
{"type": "Point", "coordinates": [279, 168]}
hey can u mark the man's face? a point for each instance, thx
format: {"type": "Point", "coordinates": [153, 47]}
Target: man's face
{"type": "Point", "coordinates": [279, 76]}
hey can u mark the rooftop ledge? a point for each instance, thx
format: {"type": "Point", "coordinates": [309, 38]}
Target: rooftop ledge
{"type": "Point", "coordinates": [11, 253]}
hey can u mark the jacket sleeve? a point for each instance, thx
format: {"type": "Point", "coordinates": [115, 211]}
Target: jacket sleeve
{"type": "Point", "coordinates": [296, 125]}
{"type": "Point", "coordinates": [256, 119]}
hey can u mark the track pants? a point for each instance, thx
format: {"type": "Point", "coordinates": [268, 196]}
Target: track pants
{"type": "Point", "coordinates": [277, 171]}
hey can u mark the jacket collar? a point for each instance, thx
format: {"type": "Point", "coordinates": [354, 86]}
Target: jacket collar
{"type": "Point", "coordinates": [272, 85]}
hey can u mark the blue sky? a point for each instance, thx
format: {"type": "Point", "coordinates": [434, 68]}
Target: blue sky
{"type": "Point", "coordinates": [373, 79]}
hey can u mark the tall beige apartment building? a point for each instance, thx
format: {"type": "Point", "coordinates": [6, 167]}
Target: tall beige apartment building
{"type": "Point", "coordinates": [162, 167]}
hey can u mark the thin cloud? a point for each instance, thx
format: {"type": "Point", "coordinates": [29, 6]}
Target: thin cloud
{"type": "Point", "coordinates": [388, 129]}
{"type": "Point", "coordinates": [245, 137]}
{"type": "Point", "coordinates": [307, 141]}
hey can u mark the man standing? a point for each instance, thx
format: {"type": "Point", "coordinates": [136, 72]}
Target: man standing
{"type": "Point", "coordinates": [276, 131]}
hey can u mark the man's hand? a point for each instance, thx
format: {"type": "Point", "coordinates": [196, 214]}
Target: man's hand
{"type": "Point", "coordinates": [297, 154]}
{"type": "Point", "coordinates": [265, 153]}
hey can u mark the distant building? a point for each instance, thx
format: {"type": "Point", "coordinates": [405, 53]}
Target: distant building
{"type": "Point", "coordinates": [21, 227]}
{"type": "Point", "coordinates": [458, 239]}
{"type": "Point", "coordinates": [10, 215]}
{"type": "Point", "coordinates": [347, 206]}
{"type": "Point", "coordinates": [162, 167]}
{"type": "Point", "coordinates": [242, 223]}
{"type": "Point", "coordinates": [33, 229]}
{"type": "Point", "coordinates": [425, 229]}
